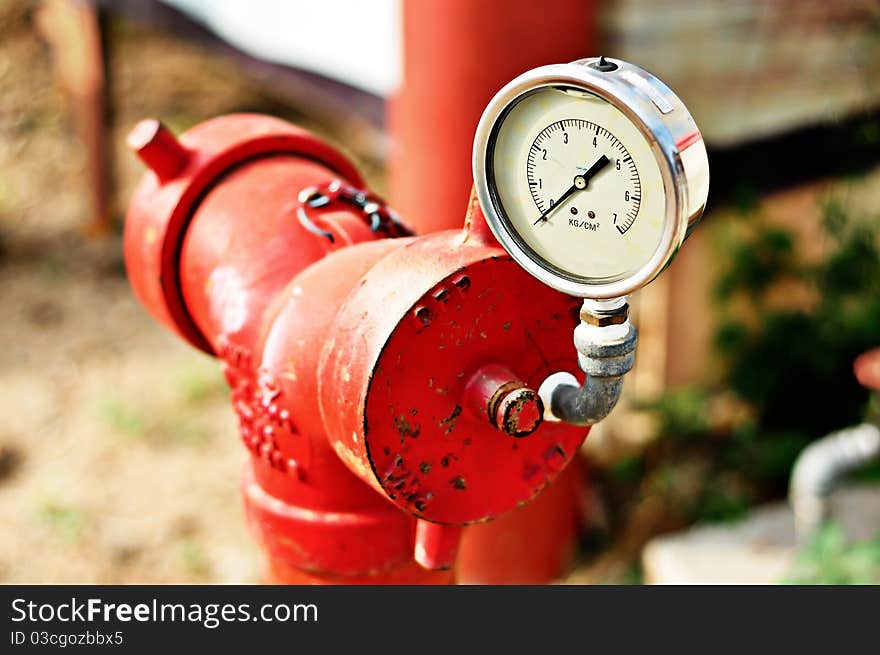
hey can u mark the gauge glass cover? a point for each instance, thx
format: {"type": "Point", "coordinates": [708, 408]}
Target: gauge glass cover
{"type": "Point", "coordinates": [576, 184]}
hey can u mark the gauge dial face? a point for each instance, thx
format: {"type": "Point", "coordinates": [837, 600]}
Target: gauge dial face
{"type": "Point", "coordinates": [577, 185]}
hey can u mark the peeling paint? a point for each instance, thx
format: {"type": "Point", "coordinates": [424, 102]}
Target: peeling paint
{"type": "Point", "coordinates": [404, 428]}
{"type": "Point", "coordinates": [448, 423]}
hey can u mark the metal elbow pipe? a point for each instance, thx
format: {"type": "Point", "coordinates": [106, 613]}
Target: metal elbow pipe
{"type": "Point", "coordinates": [587, 404]}
{"type": "Point", "coordinates": [821, 465]}
{"type": "Point", "coordinates": [606, 352]}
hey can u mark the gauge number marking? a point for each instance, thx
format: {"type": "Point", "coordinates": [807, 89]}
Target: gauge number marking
{"type": "Point", "coordinates": [592, 140]}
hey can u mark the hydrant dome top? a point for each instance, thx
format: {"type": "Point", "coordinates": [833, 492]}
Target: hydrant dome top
{"type": "Point", "coordinates": [168, 194]}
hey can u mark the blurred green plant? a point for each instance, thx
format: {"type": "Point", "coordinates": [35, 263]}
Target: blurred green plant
{"type": "Point", "coordinates": [794, 366]}
{"type": "Point", "coordinates": [202, 381]}
{"type": "Point", "coordinates": [168, 423]}
{"type": "Point", "coordinates": [68, 521]}
{"type": "Point", "coordinates": [791, 367]}
{"type": "Point", "coordinates": [831, 559]}
{"type": "Point", "coordinates": [195, 559]}
{"type": "Point", "coordinates": [786, 379]}
{"type": "Point", "coordinates": [122, 417]}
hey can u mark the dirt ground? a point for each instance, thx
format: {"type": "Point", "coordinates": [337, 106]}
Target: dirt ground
{"type": "Point", "coordinates": [119, 460]}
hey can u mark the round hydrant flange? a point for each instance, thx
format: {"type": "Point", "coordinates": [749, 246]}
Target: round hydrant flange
{"type": "Point", "coordinates": [395, 369]}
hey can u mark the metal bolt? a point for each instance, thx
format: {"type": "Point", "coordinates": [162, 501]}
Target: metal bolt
{"type": "Point", "coordinates": [494, 392]}
{"type": "Point", "coordinates": [604, 318]}
{"type": "Point", "coordinates": [604, 65]}
{"type": "Point", "coordinates": [519, 412]}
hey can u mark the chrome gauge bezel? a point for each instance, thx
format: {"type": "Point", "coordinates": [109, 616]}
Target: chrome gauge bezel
{"type": "Point", "coordinates": [652, 107]}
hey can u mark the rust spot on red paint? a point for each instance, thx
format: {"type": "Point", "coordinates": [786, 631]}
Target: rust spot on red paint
{"type": "Point", "coordinates": [404, 429]}
{"type": "Point", "coordinates": [448, 423]}
{"type": "Point", "coordinates": [521, 416]}
{"type": "Point", "coordinates": [412, 364]}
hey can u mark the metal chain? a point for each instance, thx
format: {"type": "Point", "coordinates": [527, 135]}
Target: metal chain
{"type": "Point", "coordinates": [379, 216]}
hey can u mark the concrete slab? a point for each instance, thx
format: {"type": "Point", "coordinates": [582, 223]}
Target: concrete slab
{"type": "Point", "coordinates": [757, 550]}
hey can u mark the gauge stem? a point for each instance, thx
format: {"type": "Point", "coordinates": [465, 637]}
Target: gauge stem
{"type": "Point", "coordinates": [606, 343]}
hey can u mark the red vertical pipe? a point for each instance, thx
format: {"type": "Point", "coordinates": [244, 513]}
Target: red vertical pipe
{"type": "Point", "coordinates": [456, 55]}
{"type": "Point", "coordinates": [534, 544]}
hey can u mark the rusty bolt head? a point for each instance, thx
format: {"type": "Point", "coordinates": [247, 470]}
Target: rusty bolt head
{"type": "Point", "coordinates": [519, 412]}
{"type": "Point", "coordinates": [604, 319]}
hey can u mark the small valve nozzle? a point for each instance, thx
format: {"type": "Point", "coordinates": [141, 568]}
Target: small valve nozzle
{"type": "Point", "coordinates": [519, 412]}
{"type": "Point", "coordinates": [496, 393]}
{"type": "Point", "coordinates": [158, 148]}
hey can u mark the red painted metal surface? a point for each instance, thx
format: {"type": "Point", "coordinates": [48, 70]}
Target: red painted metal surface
{"type": "Point", "coordinates": [394, 375]}
{"type": "Point", "coordinates": [161, 209]}
{"type": "Point", "coordinates": [457, 54]}
{"type": "Point", "coordinates": [349, 353]}
{"type": "Point", "coordinates": [402, 349]}
{"type": "Point", "coordinates": [436, 544]}
{"type": "Point", "coordinates": [534, 544]}
{"type": "Point", "coordinates": [495, 392]}
{"type": "Point", "coordinates": [281, 572]}
{"type": "Point", "coordinates": [210, 253]}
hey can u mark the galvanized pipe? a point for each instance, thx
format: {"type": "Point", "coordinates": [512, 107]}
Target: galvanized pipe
{"type": "Point", "coordinates": [821, 466]}
{"type": "Point", "coordinates": [606, 342]}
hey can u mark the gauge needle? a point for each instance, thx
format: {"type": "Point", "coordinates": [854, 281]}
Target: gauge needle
{"type": "Point", "coordinates": [581, 182]}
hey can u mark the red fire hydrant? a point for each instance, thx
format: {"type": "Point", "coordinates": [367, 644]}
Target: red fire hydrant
{"type": "Point", "coordinates": [384, 383]}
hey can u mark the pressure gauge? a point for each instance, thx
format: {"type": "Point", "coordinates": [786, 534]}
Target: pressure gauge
{"type": "Point", "coordinates": [590, 175]}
